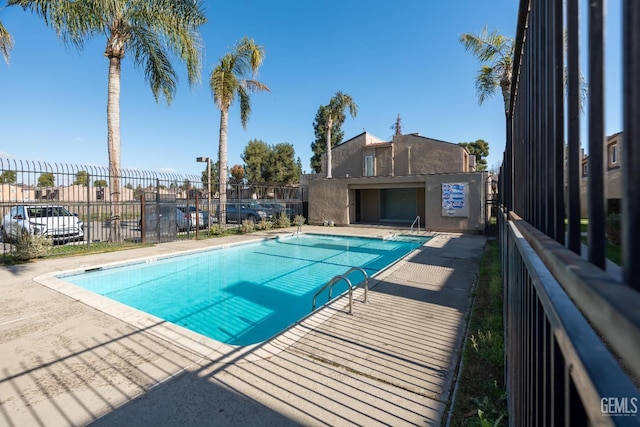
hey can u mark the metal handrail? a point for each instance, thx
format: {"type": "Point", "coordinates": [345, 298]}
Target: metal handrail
{"type": "Point", "coordinates": [339, 277]}
{"type": "Point", "coordinates": [414, 223]}
{"type": "Point", "coordinates": [366, 279]}
{"type": "Point", "coordinates": [329, 285]}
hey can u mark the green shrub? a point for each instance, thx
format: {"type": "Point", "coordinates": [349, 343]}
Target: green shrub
{"type": "Point", "coordinates": [217, 230]}
{"type": "Point", "coordinates": [614, 206]}
{"type": "Point", "coordinates": [613, 229]}
{"type": "Point", "coordinates": [29, 246]}
{"type": "Point", "coordinates": [264, 225]}
{"type": "Point", "coordinates": [282, 221]}
{"type": "Point", "coordinates": [299, 220]}
{"type": "Point", "coordinates": [247, 225]}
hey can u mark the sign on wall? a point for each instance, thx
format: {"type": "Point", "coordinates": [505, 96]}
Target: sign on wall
{"type": "Point", "coordinates": [455, 199]}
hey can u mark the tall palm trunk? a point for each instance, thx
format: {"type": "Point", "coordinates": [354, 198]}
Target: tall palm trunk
{"type": "Point", "coordinates": [329, 127]}
{"type": "Point", "coordinates": [113, 136]}
{"type": "Point", "coordinates": [505, 87]}
{"type": "Point", "coordinates": [222, 157]}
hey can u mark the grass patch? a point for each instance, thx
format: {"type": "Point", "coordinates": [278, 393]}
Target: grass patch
{"type": "Point", "coordinates": [584, 225]}
{"type": "Point", "coordinates": [94, 248]}
{"type": "Point", "coordinates": [59, 251]}
{"type": "Point", "coordinates": [481, 398]}
{"type": "Point", "coordinates": [612, 252]}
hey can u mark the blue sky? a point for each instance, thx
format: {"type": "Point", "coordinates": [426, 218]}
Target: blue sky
{"type": "Point", "coordinates": [402, 58]}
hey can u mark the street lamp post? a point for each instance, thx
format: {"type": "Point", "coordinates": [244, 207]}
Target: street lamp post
{"type": "Point", "coordinates": [208, 160]}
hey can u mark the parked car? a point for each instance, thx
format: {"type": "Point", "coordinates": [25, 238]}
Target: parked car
{"type": "Point", "coordinates": [277, 210]}
{"type": "Point", "coordinates": [53, 221]}
{"type": "Point", "coordinates": [238, 212]}
{"type": "Point", "coordinates": [194, 216]}
{"type": "Point", "coordinates": [185, 220]}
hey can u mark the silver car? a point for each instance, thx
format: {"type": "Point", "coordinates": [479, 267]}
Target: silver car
{"type": "Point", "coordinates": [52, 221]}
{"type": "Point", "coordinates": [192, 216]}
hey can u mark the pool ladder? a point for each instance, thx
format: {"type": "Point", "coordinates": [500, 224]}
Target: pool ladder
{"type": "Point", "coordinates": [344, 277]}
{"type": "Point", "coordinates": [417, 220]}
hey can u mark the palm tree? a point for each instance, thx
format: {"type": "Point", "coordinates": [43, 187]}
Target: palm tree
{"type": "Point", "coordinates": [230, 78]}
{"type": "Point", "coordinates": [6, 43]}
{"type": "Point", "coordinates": [337, 106]}
{"type": "Point", "coordinates": [151, 31]}
{"type": "Point", "coordinates": [496, 51]}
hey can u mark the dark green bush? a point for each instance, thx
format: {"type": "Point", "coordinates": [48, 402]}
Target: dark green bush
{"type": "Point", "coordinates": [282, 221]}
{"type": "Point", "coordinates": [247, 226]}
{"type": "Point", "coordinates": [613, 229]}
{"type": "Point", "coordinates": [29, 246]}
{"type": "Point", "coordinates": [613, 206]}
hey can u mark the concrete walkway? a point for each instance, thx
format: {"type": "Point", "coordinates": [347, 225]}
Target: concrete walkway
{"type": "Point", "coordinates": [392, 362]}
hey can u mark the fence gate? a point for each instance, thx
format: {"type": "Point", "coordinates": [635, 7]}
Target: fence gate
{"type": "Point", "coordinates": [158, 222]}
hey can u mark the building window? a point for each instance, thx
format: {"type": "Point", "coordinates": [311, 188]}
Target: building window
{"type": "Point", "coordinates": [368, 166]}
{"type": "Point", "coordinates": [613, 154]}
{"type": "Point", "coordinates": [585, 169]}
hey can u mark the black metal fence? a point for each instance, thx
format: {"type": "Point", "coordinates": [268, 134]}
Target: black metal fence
{"type": "Point", "coordinates": [572, 327]}
{"type": "Point", "coordinates": [149, 207]}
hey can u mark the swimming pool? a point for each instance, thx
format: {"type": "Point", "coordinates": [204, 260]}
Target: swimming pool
{"type": "Point", "coordinates": [243, 294]}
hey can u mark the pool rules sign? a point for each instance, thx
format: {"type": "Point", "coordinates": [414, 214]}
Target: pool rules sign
{"type": "Point", "coordinates": [455, 199]}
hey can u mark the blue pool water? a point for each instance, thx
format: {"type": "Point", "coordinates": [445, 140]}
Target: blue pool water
{"type": "Point", "coordinates": [247, 293]}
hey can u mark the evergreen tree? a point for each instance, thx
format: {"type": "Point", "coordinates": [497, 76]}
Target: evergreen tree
{"type": "Point", "coordinates": [281, 168]}
{"type": "Point", "coordinates": [82, 178]}
{"type": "Point", "coordinates": [214, 174]}
{"type": "Point", "coordinates": [271, 164]}
{"type": "Point", "coordinates": [480, 149]}
{"type": "Point", "coordinates": [8, 177]}
{"type": "Point", "coordinates": [46, 179]}
{"type": "Point", "coordinates": [397, 127]}
{"type": "Point", "coordinates": [256, 159]}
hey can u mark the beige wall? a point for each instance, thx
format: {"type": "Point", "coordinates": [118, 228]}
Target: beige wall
{"type": "Point", "coordinates": [13, 193]}
{"type": "Point", "coordinates": [407, 155]}
{"type": "Point", "coordinates": [334, 199]}
{"type": "Point", "coordinates": [612, 174]}
{"type": "Point", "coordinates": [329, 201]}
{"type": "Point", "coordinates": [70, 193]}
{"type": "Point", "coordinates": [433, 204]}
{"type": "Point", "coordinates": [427, 156]}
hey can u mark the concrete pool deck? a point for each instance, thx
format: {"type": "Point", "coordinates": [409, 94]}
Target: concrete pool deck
{"type": "Point", "coordinates": [392, 362]}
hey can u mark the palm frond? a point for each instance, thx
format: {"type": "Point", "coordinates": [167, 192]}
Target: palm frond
{"type": "Point", "coordinates": [339, 103]}
{"type": "Point", "coordinates": [495, 52]}
{"type": "Point", "coordinates": [254, 85]}
{"type": "Point", "coordinates": [6, 43]}
{"type": "Point", "coordinates": [245, 105]}
{"type": "Point", "coordinates": [250, 56]}
{"type": "Point", "coordinates": [178, 21]}
{"type": "Point", "coordinates": [486, 83]}
{"type": "Point", "coordinates": [487, 46]}
{"type": "Point", "coordinates": [147, 51]}
{"type": "Point", "coordinates": [73, 21]}
{"type": "Point", "coordinates": [223, 82]}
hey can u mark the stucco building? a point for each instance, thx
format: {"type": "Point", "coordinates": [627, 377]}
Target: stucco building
{"type": "Point", "coordinates": [612, 176]}
{"type": "Point", "coordinates": [393, 182]}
